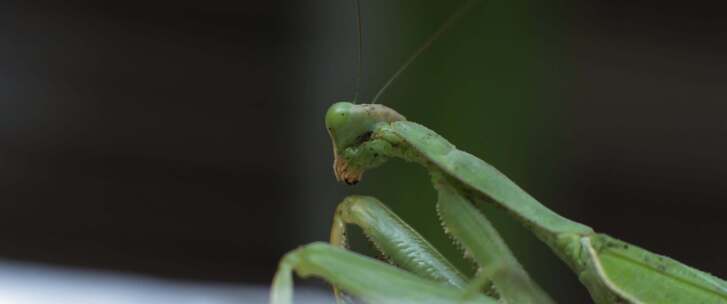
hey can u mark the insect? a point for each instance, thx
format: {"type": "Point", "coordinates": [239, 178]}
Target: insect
{"type": "Point", "coordinates": [366, 136]}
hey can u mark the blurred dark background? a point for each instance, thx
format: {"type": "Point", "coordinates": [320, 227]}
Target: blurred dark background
{"type": "Point", "coordinates": [185, 139]}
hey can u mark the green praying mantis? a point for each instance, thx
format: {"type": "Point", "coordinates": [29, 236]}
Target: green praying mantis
{"type": "Point", "coordinates": [366, 136]}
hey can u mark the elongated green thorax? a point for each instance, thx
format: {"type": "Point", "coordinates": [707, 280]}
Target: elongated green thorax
{"type": "Point", "coordinates": [349, 125]}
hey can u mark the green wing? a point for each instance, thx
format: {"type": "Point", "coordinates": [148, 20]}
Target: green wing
{"type": "Point", "coordinates": [645, 277]}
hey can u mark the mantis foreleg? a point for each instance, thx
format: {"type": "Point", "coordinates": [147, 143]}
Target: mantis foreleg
{"type": "Point", "coordinates": [404, 247]}
{"type": "Point", "coordinates": [365, 278]}
{"type": "Point", "coordinates": [480, 239]}
{"type": "Point", "coordinates": [395, 239]}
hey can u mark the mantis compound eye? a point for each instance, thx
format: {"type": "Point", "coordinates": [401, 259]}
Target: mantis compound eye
{"type": "Point", "coordinates": [350, 125]}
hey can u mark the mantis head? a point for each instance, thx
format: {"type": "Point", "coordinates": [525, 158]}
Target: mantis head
{"type": "Point", "coordinates": [350, 125]}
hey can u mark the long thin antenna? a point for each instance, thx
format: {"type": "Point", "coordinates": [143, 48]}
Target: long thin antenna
{"type": "Point", "coordinates": [358, 28]}
{"type": "Point", "coordinates": [443, 28]}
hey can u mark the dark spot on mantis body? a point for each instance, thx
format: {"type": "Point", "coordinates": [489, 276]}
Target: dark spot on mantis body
{"type": "Point", "coordinates": [363, 138]}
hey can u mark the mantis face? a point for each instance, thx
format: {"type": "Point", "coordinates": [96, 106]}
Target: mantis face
{"type": "Point", "coordinates": [349, 125]}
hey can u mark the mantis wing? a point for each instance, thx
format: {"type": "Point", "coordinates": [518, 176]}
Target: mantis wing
{"type": "Point", "coordinates": [640, 276]}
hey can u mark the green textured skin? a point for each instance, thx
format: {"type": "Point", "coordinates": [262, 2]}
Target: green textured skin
{"type": "Point", "coordinates": [368, 279]}
{"type": "Point", "coordinates": [400, 243]}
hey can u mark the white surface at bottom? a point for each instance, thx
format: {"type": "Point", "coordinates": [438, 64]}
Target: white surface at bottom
{"type": "Point", "coordinates": [22, 283]}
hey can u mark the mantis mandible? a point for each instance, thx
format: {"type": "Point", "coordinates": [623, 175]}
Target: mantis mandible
{"type": "Point", "coordinates": [365, 136]}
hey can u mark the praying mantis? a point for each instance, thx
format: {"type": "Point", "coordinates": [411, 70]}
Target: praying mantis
{"type": "Point", "coordinates": [365, 136]}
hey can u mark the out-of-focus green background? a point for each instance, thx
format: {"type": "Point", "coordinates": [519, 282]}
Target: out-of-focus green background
{"type": "Point", "coordinates": [185, 139]}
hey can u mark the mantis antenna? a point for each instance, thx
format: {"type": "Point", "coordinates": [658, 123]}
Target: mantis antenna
{"type": "Point", "coordinates": [443, 28]}
{"type": "Point", "coordinates": [357, 7]}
